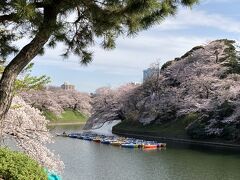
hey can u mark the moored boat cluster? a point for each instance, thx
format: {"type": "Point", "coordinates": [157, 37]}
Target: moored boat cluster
{"type": "Point", "coordinates": [116, 140]}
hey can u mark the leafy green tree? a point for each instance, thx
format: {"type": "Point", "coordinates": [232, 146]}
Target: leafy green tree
{"type": "Point", "coordinates": [49, 22]}
{"type": "Point", "coordinates": [26, 81]}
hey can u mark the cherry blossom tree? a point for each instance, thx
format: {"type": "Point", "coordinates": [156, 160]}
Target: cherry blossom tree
{"type": "Point", "coordinates": [107, 104]}
{"type": "Point", "coordinates": [28, 128]}
{"type": "Point", "coordinates": [198, 87]}
{"type": "Point", "coordinates": [57, 100]}
{"type": "Point", "coordinates": [195, 83]}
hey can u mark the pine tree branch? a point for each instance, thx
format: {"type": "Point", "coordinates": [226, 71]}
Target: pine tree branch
{"type": "Point", "coordinates": [38, 4]}
{"type": "Point", "coordinates": [13, 16]}
{"type": "Point", "coordinates": [8, 17]}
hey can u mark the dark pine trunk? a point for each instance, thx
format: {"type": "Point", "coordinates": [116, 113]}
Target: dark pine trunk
{"type": "Point", "coordinates": [6, 92]}
{"type": "Point", "coordinates": [23, 58]}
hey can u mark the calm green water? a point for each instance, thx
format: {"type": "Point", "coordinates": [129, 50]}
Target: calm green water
{"type": "Point", "coordinates": [86, 160]}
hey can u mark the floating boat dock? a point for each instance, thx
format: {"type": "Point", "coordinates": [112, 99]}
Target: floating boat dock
{"type": "Point", "coordinates": [116, 141]}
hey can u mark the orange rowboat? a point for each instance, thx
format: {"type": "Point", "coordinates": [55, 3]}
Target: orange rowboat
{"type": "Point", "coordinates": [150, 146]}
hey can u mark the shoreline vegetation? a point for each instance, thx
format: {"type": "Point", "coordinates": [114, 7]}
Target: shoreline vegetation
{"type": "Point", "coordinates": [179, 141]}
{"type": "Point", "coordinates": [168, 137]}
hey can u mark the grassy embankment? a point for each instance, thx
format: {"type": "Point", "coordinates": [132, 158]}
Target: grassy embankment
{"type": "Point", "coordinates": [67, 117]}
{"type": "Point", "coordinates": [172, 129]}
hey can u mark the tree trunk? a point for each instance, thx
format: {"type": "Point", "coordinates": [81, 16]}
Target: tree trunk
{"type": "Point", "coordinates": [22, 59]}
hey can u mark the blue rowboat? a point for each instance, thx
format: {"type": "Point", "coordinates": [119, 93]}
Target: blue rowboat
{"type": "Point", "coordinates": [105, 141]}
{"type": "Point", "coordinates": [87, 138]}
{"type": "Point", "coordinates": [73, 135]}
{"type": "Point", "coordinates": [80, 137]}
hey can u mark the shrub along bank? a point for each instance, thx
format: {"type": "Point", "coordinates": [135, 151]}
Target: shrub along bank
{"type": "Point", "coordinates": [18, 166]}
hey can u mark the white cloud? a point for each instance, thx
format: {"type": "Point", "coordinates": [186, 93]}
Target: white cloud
{"type": "Point", "coordinates": [141, 51]}
{"type": "Point", "coordinates": [217, 1]}
{"type": "Point", "coordinates": [129, 58]}
{"type": "Point", "coordinates": [187, 18]}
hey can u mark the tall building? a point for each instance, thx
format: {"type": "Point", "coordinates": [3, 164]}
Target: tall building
{"type": "Point", "coordinates": [149, 72]}
{"type": "Point", "coordinates": [67, 86]}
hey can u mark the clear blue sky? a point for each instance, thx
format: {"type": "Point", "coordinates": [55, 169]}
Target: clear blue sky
{"type": "Point", "coordinates": [210, 20]}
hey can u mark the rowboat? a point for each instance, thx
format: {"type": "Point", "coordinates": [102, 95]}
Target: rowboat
{"type": "Point", "coordinates": [73, 135]}
{"type": "Point", "coordinates": [150, 146]}
{"type": "Point", "coordinates": [98, 140]}
{"type": "Point", "coordinates": [116, 143]}
{"type": "Point", "coordinates": [80, 137]}
{"type": "Point", "coordinates": [161, 144]}
{"type": "Point", "coordinates": [105, 141]}
{"type": "Point", "coordinates": [62, 135]}
{"type": "Point", "coordinates": [87, 138]}
{"type": "Point", "coordinates": [130, 145]}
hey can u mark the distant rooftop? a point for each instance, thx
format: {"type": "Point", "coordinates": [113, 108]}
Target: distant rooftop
{"type": "Point", "coordinates": [67, 86]}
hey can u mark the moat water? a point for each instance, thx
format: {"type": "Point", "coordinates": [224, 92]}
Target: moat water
{"type": "Point", "coordinates": [86, 160]}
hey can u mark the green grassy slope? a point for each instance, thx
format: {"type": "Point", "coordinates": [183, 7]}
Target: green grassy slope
{"type": "Point", "coordinates": [67, 116]}
{"type": "Point", "coordinates": [173, 129]}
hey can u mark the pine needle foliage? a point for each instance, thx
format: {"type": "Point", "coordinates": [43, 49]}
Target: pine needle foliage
{"type": "Point", "coordinates": [79, 22]}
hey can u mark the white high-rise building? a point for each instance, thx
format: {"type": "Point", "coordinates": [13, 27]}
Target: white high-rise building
{"type": "Point", "coordinates": [149, 72]}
